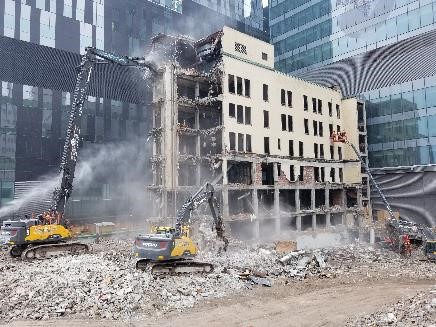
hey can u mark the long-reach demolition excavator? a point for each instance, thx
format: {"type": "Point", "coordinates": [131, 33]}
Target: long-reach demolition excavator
{"type": "Point", "coordinates": [48, 234]}
{"type": "Point", "coordinates": [400, 232]}
{"type": "Point", "coordinates": [170, 250]}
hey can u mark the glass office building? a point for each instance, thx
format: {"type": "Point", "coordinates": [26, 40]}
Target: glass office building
{"type": "Point", "coordinates": [381, 50]}
{"type": "Point", "coordinates": [40, 45]}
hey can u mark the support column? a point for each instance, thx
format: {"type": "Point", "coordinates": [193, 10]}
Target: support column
{"type": "Point", "coordinates": [256, 223]}
{"type": "Point", "coordinates": [225, 193]}
{"type": "Point", "coordinates": [298, 223]}
{"type": "Point", "coordinates": [297, 200]}
{"type": "Point", "coordinates": [277, 210]}
{"type": "Point", "coordinates": [327, 206]}
{"type": "Point", "coordinates": [314, 222]}
{"type": "Point", "coordinates": [224, 171]}
{"type": "Point", "coordinates": [198, 144]}
{"type": "Point", "coordinates": [327, 219]}
{"type": "Point", "coordinates": [312, 199]}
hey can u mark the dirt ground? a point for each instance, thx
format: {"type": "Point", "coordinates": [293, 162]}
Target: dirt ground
{"type": "Point", "coordinates": [317, 302]}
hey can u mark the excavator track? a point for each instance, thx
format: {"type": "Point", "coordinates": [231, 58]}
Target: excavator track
{"type": "Point", "coordinates": [45, 251]}
{"type": "Point", "coordinates": [175, 267]}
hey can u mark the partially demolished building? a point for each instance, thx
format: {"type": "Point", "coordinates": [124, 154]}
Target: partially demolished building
{"type": "Point", "coordinates": [222, 114]}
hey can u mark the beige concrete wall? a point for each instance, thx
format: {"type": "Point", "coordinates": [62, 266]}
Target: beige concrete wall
{"type": "Point", "coordinates": [250, 67]}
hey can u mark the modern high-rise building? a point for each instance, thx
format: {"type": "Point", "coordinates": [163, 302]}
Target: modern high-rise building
{"type": "Point", "coordinates": [40, 46]}
{"type": "Point", "coordinates": [382, 51]}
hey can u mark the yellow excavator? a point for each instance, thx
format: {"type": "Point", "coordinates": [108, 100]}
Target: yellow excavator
{"type": "Point", "coordinates": [170, 250]}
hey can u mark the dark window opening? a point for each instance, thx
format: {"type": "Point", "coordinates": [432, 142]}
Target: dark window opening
{"type": "Point", "coordinates": [338, 129]}
{"type": "Point", "coordinates": [341, 176]}
{"type": "Point", "coordinates": [330, 109]}
{"type": "Point", "coordinates": [232, 110]}
{"type": "Point", "coordinates": [315, 128]}
{"type": "Point", "coordinates": [301, 175]}
{"type": "Point", "coordinates": [291, 148]}
{"type": "Point", "coordinates": [232, 141]}
{"type": "Point", "coordinates": [247, 115]}
{"type": "Point", "coordinates": [315, 150]}
{"type": "Point", "coordinates": [320, 106]}
{"type": "Point", "coordinates": [306, 126]}
{"type": "Point", "coordinates": [283, 97]}
{"type": "Point", "coordinates": [240, 114]}
{"type": "Point", "coordinates": [266, 145]}
{"type": "Point", "coordinates": [265, 92]}
{"type": "Point", "coordinates": [267, 174]}
{"type": "Point", "coordinates": [330, 129]}
{"type": "Point", "coordinates": [332, 152]}
{"type": "Point", "coordinates": [283, 117]}
{"type": "Point", "coordinates": [339, 153]}
{"type": "Point", "coordinates": [248, 143]}
{"type": "Point", "coordinates": [278, 144]}
{"type": "Point", "coordinates": [264, 56]}
{"type": "Point", "coordinates": [290, 124]}
{"type": "Point", "coordinates": [321, 130]}
{"type": "Point", "coordinates": [265, 119]}
{"type": "Point", "coordinates": [292, 173]}
{"type": "Point", "coordinates": [332, 175]}
{"type": "Point", "coordinates": [247, 87]}
{"type": "Point", "coordinates": [239, 85]}
{"type": "Point", "coordinates": [231, 83]}
{"type": "Point", "coordinates": [338, 111]}
{"type": "Point", "coordinates": [316, 174]}
{"type": "Point", "coordinates": [239, 172]}
{"type": "Point", "coordinates": [289, 99]}
{"type": "Point", "coordinates": [322, 174]}
{"type": "Point", "coordinates": [300, 149]}
{"type": "Point", "coordinates": [306, 104]}
{"type": "Point", "coordinates": [314, 105]}
{"type": "Point", "coordinates": [321, 151]}
{"type": "Point", "coordinates": [240, 142]}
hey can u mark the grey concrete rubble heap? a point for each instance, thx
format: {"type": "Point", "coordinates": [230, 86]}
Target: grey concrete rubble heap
{"type": "Point", "coordinates": [105, 284]}
{"type": "Point", "coordinates": [419, 310]}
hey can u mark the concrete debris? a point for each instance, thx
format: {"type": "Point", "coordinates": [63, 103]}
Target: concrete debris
{"type": "Point", "coordinates": [104, 284]}
{"type": "Point", "coordinates": [419, 310]}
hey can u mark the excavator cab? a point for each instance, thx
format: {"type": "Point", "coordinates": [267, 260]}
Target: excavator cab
{"type": "Point", "coordinates": [430, 250]}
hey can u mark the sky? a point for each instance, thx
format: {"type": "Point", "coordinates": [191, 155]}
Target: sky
{"type": "Point", "coordinates": [265, 2]}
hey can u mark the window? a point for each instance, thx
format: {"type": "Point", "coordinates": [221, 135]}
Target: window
{"type": "Point", "coordinates": [265, 119]}
{"type": "Point", "coordinates": [305, 103]}
{"type": "Point", "coordinates": [279, 144]}
{"type": "Point", "coordinates": [338, 128]}
{"type": "Point", "coordinates": [265, 92]}
{"type": "Point", "coordinates": [330, 109]}
{"type": "Point", "coordinates": [320, 106]}
{"type": "Point", "coordinates": [239, 85]}
{"type": "Point", "coordinates": [320, 130]}
{"type": "Point", "coordinates": [315, 150]}
{"type": "Point", "coordinates": [315, 128]}
{"type": "Point", "coordinates": [247, 87]}
{"type": "Point", "coordinates": [240, 48]}
{"type": "Point", "coordinates": [266, 145]}
{"type": "Point", "coordinates": [291, 148]}
{"type": "Point", "coordinates": [340, 153]}
{"type": "Point", "coordinates": [314, 105]}
{"type": "Point", "coordinates": [301, 176]}
{"type": "Point", "coordinates": [332, 175]}
{"type": "Point", "coordinates": [283, 122]}
{"type": "Point", "coordinates": [321, 151]}
{"type": "Point", "coordinates": [330, 129]}
{"type": "Point", "coordinates": [332, 152]}
{"type": "Point", "coordinates": [290, 124]}
{"type": "Point", "coordinates": [232, 110]}
{"type": "Point", "coordinates": [240, 142]}
{"type": "Point", "coordinates": [264, 56]}
{"type": "Point", "coordinates": [232, 141]}
{"type": "Point", "coordinates": [316, 173]}
{"type": "Point", "coordinates": [300, 149]}
{"type": "Point", "coordinates": [306, 126]}
{"type": "Point", "coordinates": [289, 99]}
{"type": "Point", "coordinates": [248, 143]}
{"type": "Point", "coordinates": [292, 173]}
{"type": "Point", "coordinates": [341, 176]}
{"type": "Point", "coordinates": [247, 115]}
{"type": "Point", "coordinates": [283, 97]}
{"type": "Point", "coordinates": [231, 83]}
{"type": "Point", "coordinates": [322, 174]}
{"type": "Point", "coordinates": [338, 111]}
{"type": "Point", "coordinates": [240, 114]}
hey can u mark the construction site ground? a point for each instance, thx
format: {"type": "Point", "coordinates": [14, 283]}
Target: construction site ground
{"type": "Point", "coordinates": [358, 286]}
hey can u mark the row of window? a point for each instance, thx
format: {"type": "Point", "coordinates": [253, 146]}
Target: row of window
{"type": "Point", "coordinates": [243, 142]}
{"type": "Point", "coordinates": [319, 174]}
{"type": "Point", "coordinates": [242, 116]}
{"type": "Point", "coordinates": [286, 95]}
{"type": "Point", "coordinates": [241, 87]}
{"type": "Point", "coordinates": [420, 155]}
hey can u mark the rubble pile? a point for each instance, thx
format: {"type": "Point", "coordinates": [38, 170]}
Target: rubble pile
{"type": "Point", "coordinates": [419, 310]}
{"type": "Point", "coordinates": [105, 284]}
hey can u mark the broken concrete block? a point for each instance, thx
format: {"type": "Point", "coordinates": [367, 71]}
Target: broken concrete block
{"type": "Point", "coordinates": [261, 281]}
{"type": "Point", "coordinates": [304, 262]}
{"type": "Point", "coordinates": [291, 256]}
{"type": "Point", "coordinates": [320, 259]}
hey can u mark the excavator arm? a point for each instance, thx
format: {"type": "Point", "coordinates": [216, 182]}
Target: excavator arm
{"type": "Point", "coordinates": [204, 194]}
{"type": "Point", "coordinates": [67, 169]}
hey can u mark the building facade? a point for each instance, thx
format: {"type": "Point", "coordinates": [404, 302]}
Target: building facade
{"type": "Point", "coordinates": [40, 46]}
{"type": "Point", "coordinates": [224, 115]}
{"type": "Point", "coordinates": [384, 52]}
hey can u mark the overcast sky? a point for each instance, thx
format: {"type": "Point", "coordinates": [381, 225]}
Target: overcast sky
{"type": "Point", "coordinates": [265, 2]}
